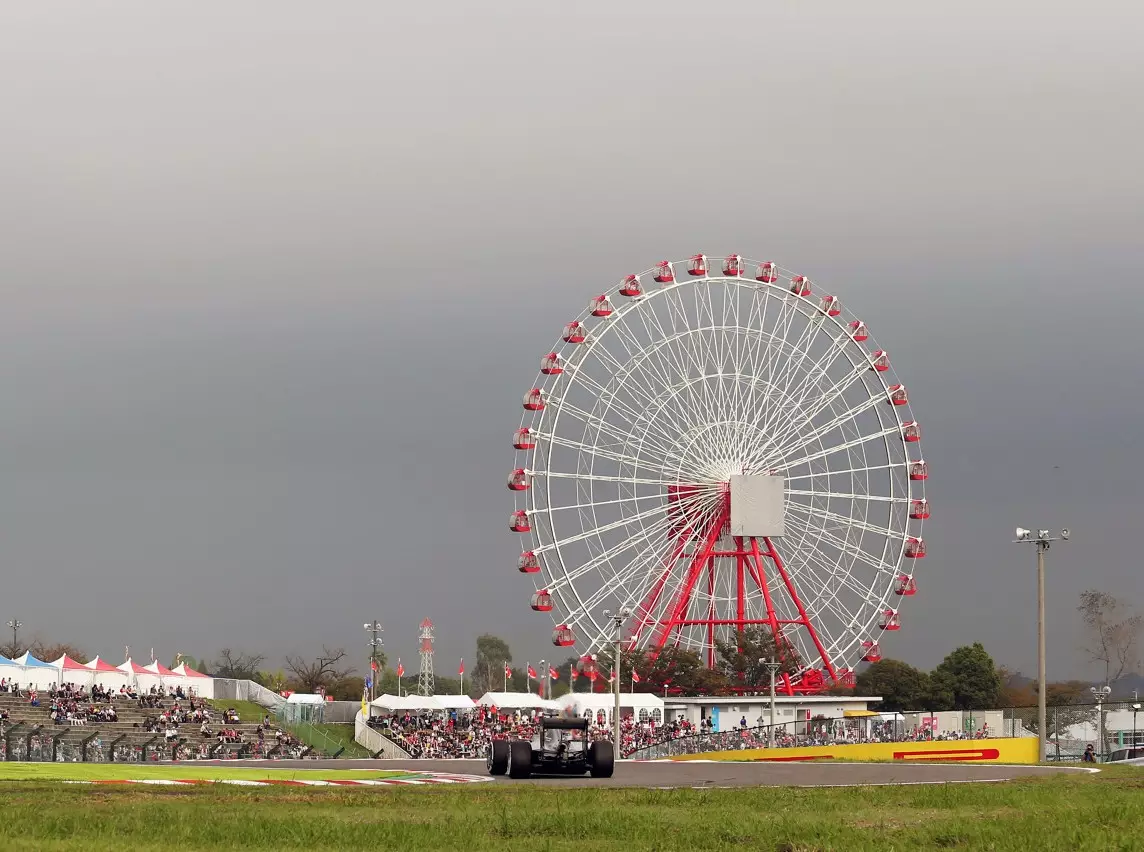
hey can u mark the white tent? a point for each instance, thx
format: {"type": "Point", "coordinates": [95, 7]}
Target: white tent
{"type": "Point", "coordinates": [36, 672]}
{"type": "Point", "coordinates": [202, 684]}
{"type": "Point", "coordinates": [517, 701]}
{"type": "Point", "coordinates": [107, 675]}
{"type": "Point", "coordinates": [10, 670]}
{"type": "Point", "coordinates": [394, 703]}
{"type": "Point", "coordinates": [456, 702]}
{"type": "Point", "coordinates": [643, 706]}
{"type": "Point", "coordinates": [142, 678]}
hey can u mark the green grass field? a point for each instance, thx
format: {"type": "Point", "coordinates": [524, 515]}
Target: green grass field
{"type": "Point", "coordinates": [183, 771]}
{"type": "Point", "coordinates": [1068, 812]}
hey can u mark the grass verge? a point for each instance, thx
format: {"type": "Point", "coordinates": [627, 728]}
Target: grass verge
{"type": "Point", "coordinates": [183, 771]}
{"type": "Point", "coordinates": [1065, 812]}
{"type": "Point", "coordinates": [248, 711]}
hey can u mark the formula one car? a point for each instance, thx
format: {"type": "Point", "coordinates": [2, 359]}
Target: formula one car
{"type": "Point", "coordinates": [560, 747]}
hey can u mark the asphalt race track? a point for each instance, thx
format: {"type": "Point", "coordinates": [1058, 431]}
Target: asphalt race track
{"type": "Point", "coordinates": [661, 774]}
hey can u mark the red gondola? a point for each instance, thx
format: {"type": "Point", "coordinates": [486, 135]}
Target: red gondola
{"type": "Point", "coordinates": [880, 361]}
{"type": "Point", "coordinates": [890, 620]}
{"type": "Point", "coordinates": [600, 307]}
{"type": "Point", "coordinates": [631, 286]}
{"type": "Point", "coordinates": [919, 470]}
{"type": "Point", "coordinates": [871, 653]}
{"type": "Point", "coordinates": [550, 365]}
{"type": "Point", "coordinates": [518, 480]}
{"type": "Point", "coordinates": [664, 274]}
{"type": "Point", "coordinates": [911, 432]}
{"type": "Point", "coordinates": [563, 637]}
{"type": "Point", "coordinates": [846, 678]}
{"type": "Point", "coordinates": [766, 273]}
{"type": "Point", "coordinates": [800, 285]}
{"type": "Point", "coordinates": [915, 548]}
{"type": "Point", "coordinates": [897, 395]}
{"type": "Point", "coordinates": [574, 333]}
{"type": "Point", "coordinates": [534, 400]}
{"type": "Point", "coordinates": [518, 522]}
{"type": "Point", "coordinates": [919, 510]}
{"type": "Point", "coordinates": [528, 563]}
{"type": "Point", "coordinates": [733, 266]}
{"type": "Point", "coordinates": [858, 331]}
{"type": "Point", "coordinates": [587, 664]}
{"type": "Point", "coordinates": [522, 439]}
{"type": "Point", "coordinates": [697, 265]}
{"type": "Point", "coordinates": [542, 601]}
{"type": "Point", "coordinates": [830, 306]}
{"type": "Point", "coordinates": [906, 586]}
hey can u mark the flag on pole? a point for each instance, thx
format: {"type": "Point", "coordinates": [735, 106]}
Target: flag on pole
{"type": "Point", "coordinates": [572, 674]}
{"type": "Point", "coordinates": [507, 670]}
{"type": "Point", "coordinates": [553, 673]}
{"type": "Point", "coordinates": [400, 668]}
{"type": "Point", "coordinates": [368, 682]}
{"type": "Point", "coordinates": [152, 655]}
{"type": "Point", "coordinates": [373, 665]}
{"type": "Point", "coordinates": [364, 706]}
{"type": "Point", "coordinates": [532, 672]}
{"type": "Point", "coordinates": [461, 670]}
{"type": "Point", "coordinates": [635, 676]}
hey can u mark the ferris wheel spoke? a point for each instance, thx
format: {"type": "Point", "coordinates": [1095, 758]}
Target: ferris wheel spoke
{"type": "Point", "coordinates": [833, 473]}
{"type": "Point", "coordinates": [847, 546]}
{"type": "Point", "coordinates": [603, 453]}
{"type": "Point", "coordinates": [840, 495]}
{"type": "Point", "coordinates": [602, 425]}
{"type": "Point", "coordinates": [887, 532]}
{"type": "Point", "coordinates": [607, 397]}
{"type": "Point", "coordinates": [836, 448]}
{"type": "Point", "coordinates": [800, 440]}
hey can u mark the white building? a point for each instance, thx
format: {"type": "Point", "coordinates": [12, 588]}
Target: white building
{"type": "Point", "coordinates": [727, 712]}
{"type": "Point", "coordinates": [600, 706]}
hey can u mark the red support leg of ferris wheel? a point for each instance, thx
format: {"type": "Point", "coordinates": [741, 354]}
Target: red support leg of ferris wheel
{"type": "Point", "coordinates": [749, 559]}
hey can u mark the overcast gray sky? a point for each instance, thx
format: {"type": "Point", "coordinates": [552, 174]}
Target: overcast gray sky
{"type": "Point", "coordinates": [275, 275]}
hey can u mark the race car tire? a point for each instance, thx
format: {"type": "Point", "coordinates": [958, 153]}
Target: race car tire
{"type": "Point", "coordinates": [601, 760]}
{"type": "Point", "coordinates": [497, 760]}
{"type": "Point", "coordinates": [519, 759]}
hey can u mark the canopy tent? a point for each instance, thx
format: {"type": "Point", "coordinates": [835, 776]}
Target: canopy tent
{"type": "Point", "coordinates": [10, 669]}
{"type": "Point", "coordinates": [106, 675]}
{"type": "Point", "coordinates": [73, 672]}
{"type": "Point", "coordinates": [643, 706]}
{"type": "Point", "coordinates": [4, 661]}
{"type": "Point", "coordinates": [395, 703]}
{"type": "Point", "coordinates": [305, 707]}
{"type": "Point", "coordinates": [202, 684]}
{"type": "Point", "coordinates": [456, 702]}
{"type": "Point", "coordinates": [157, 668]}
{"type": "Point", "coordinates": [517, 701]}
{"type": "Point", "coordinates": [39, 674]}
{"type": "Point", "coordinates": [143, 678]}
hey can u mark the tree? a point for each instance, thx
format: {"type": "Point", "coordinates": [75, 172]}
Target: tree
{"type": "Point", "coordinates": [322, 672]}
{"type": "Point", "coordinates": [188, 661]}
{"type": "Point", "coordinates": [235, 665]}
{"type": "Point", "coordinates": [492, 654]}
{"type": "Point", "coordinates": [966, 680]}
{"type": "Point", "coordinates": [52, 651]}
{"type": "Point", "coordinates": [901, 686]}
{"type": "Point", "coordinates": [1016, 690]}
{"type": "Point", "coordinates": [739, 656]}
{"type": "Point", "coordinates": [1113, 632]}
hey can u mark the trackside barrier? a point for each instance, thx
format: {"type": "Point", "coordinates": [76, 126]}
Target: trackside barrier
{"type": "Point", "coordinates": [1021, 750]}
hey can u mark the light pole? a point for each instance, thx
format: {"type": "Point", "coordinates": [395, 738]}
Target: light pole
{"type": "Point", "coordinates": [1135, 710]}
{"type": "Point", "coordinates": [1042, 542]}
{"type": "Point", "coordinates": [618, 619]}
{"type": "Point", "coordinates": [15, 624]}
{"type": "Point", "coordinates": [1100, 693]}
{"type": "Point", "coordinates": [374, 627]}
{"type": "Point", "coordinates": [546, 687]}
{"type": "Point", "coordinates": [774, 667]}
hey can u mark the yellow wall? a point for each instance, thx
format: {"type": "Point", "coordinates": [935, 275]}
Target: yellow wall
{"type": "Point", "coordinates": [1023, 750]}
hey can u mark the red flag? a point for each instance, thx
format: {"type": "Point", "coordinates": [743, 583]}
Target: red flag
{"type": "Point", "coordinates": [507, 670]}
{"type": "Point", "coordinates": [461, 670]}
{"type": "Point", "coordinates": [532, 673]}
{"type": "Point", "coordinates": [373, 664]}
{"type": "Point", "coordinates": [573, 674]}
{"type": "Point", "coordinates": [635, 676]}
{"type": "Point", "coordinates": [552, 673]}
{"type": "Point", "coordinates": [592, 675]}
{"type": "Point", "coordinates": [400, 668]}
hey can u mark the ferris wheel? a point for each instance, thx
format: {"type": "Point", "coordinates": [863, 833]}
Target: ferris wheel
{"type": "Point", "coordinates": [716, 449]}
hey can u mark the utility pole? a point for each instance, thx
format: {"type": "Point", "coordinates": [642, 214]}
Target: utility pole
{"type": "Point", "coordinates": [374, 628]}
{"type": "Point", "coordinates": [1100, 693]}
{"type": "Point", "coordinates": [773, 667]}
{"type": "Point", "coordinates": [425, 683]}
{"type": "Point", "coordinates": [618, 619]}
{"type": "Point", "coordinates": [1042, 542]}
